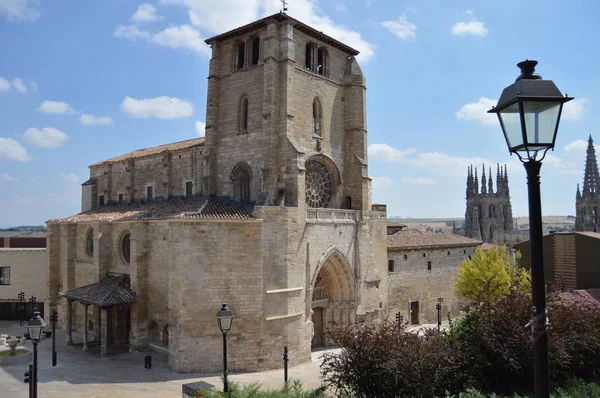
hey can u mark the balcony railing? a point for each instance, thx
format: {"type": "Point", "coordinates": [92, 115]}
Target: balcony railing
{"type": "Point", "coordinates": [331, 215]}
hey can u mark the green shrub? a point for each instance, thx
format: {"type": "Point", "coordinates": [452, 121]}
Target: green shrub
{"type": "Point", "coordinates": [293, 389]}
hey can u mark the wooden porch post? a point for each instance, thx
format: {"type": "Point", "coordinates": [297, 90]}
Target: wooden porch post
{"type": "Point", "coordinates": [103, 332]}
{"type": "Point", "coordinates": [69, 322]}
{"type": "Point", "coordinates": [85, 326]}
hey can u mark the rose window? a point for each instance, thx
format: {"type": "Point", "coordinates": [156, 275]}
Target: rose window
{"type": "Point", "coordinates": [319, 186]}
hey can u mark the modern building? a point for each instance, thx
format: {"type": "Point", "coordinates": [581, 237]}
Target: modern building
{"type": "Point", "coordinates": [271, 213]}
{"type": "Point", "coordinates": [570, 259]}
{"type": "Point", "coordinates": [420, 270]}
{"type": "Point", "coordinates": [587, 202]}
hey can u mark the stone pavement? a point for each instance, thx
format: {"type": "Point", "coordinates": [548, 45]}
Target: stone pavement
{"type": "Point", "coordinates": [84, 374]}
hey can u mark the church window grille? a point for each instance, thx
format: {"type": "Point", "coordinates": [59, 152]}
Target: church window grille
{"type": "Point", "coordinates": [126, 247]}
{"type": "Point", "coordinates": [188, 189]}
{"type": "Point", "coordinates": [255, 48]}
{"type": "Point", "coordinates": [241, 184]}
{"type": "Point", "coordinates": [390, 265]}
{"type": "Point", "coordinates": [322, 61]}
{"type": "Point", "coordinates": [149, 193]}
{"type": "Point", "coordinates": [240, 55]}
{"type": "Point", "coordinates": [89, 243]}
{"type": "Point", "coordinates": [318, 184]}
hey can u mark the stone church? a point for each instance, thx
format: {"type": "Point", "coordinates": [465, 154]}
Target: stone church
{"type": "Point", "coordinates": [270, 213]}
{"type": "Point", "coordinates": [489, 214]}
{"type": "Point", "coordinates": [588, 201]}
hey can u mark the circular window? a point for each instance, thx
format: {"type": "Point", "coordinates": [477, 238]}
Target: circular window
{"type": "Point", "coordinates": [89, 243]}
{"type": "Point", "coordinates": [319, 186]}
{"type": "Point", "coordinates": [126, 248]}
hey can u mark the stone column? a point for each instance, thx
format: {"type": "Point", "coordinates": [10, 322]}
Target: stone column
{"type": "Point", "coordinates": [103, 332]}
{"type": "Point", "coordinates": [69, 322]}
{"type": "Point", "coordinates": [85, 324]}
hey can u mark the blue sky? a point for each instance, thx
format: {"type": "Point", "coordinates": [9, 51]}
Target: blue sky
{"type": "Point", "coordinates": [82, 81]}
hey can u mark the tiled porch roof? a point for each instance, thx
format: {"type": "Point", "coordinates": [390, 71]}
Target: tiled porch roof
{"type": "Point", "coordinates": [105, 293]}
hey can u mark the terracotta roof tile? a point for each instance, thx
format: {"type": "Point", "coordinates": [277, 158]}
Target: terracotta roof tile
{"type": "Point", "coordinates": [208, 209]}
{"type": "Point", "coordinates": [140, 153]}
{"type": "Point", "coordinates": [105, 293]}
{"type": "Point", "coordinates": [419, 239]}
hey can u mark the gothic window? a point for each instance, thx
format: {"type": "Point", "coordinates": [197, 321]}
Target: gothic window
{"type": "Point", "coordinates": [240, 177]}
{"type": "Point", "coordinates": [316, 117]}
{"type": "Point", "coordinates": [188, 189]}
{"type": "Point", "coordinates": [429, 265]}
{"type": "Point", "coordinates": [322, 61]}
{"type": "Point", "coordinates": [310, 51]}
{"type": "Point", "coordinates": [89, 243]}
{"type": "Point", "coordinates": [240, 55]}
{"type": "Point", "coordinates": [319, 184]}
{"type": "Point", "coordinates": [243, 115]}
{"type": "Point", "coordinates": [255, 51]}
{"type": "Point", "coordinates": [390, 265]}
{"type": "Point", "coordinates": [126, 247]}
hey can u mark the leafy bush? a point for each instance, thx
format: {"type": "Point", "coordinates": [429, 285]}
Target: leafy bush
{"type": "Point", "coordinates": [293, 389]}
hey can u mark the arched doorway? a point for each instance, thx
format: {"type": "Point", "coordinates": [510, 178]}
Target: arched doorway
{"type": "Point", "coordinates": [333, 297]}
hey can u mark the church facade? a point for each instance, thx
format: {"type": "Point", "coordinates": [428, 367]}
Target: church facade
{"type": "Point", "coordinates": [270, 213]}
{"type": "Point", "coordinates": [489, 214]}
{"type": "Point", "coordinates": [587, 202]}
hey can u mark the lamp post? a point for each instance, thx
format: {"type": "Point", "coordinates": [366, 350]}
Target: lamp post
{"type": "Point", "coordinates": [529, 112]}
{"type": "Point", "coordinates": [224, 318]}
{"type": "Point", "coordinates": [438, 307]}
{"type": "Point", "coordinates": [35, 328]}
{"type": "Point", "coordinates": [21, 296]}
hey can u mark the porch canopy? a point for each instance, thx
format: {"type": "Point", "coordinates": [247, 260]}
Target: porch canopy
{"type": "Point", "coordinates": [109, 292]}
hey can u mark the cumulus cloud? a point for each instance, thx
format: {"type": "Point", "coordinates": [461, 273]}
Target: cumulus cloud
{"type": "Point", "coordinates": [8, 177]}
{"type": "Point", "coordinates": [478, 111]}
{"type": "Point", "coordinates": [200, 126]}
{"type": "Point", "coordinates": [470, 28]}
{"type": "Point", "coordinates": [13, 150]}
{"type": "Point", "coordinates": [4, 84]}
{"type": "Point", "coordinates": [145, 13]}
{"type": "Point", "coordinates": [159, 107]}
{"type": "Point", "coordinates": [401, 28]}
{"type": "Point", "coordinates": [417, 181]}
{"type": "Point", "coordinates": [386, 153]}
{"type": "Point", "coordinates": [131, 32]}
{"type": "Point", "coordinates": [20, 10]}
{"type": "Point", "coordinates": [71, 177]}
{"type": "Point", "coordinates": [178, 37]}
{"type": "Point", "coordinates": [48, 137]}
{"type": "Point", "coordinates": [94, 120]}
{"type": "Point", "coordinates": [382, 182]}
{"type": "Point", "coordinates": [56, 107]}
{"type": "Point", "coordinates": [574, 109]}
{"type": "Point", "coordinates": [19, 86]}
{"type": "Point", "coordinates": [578, 145]}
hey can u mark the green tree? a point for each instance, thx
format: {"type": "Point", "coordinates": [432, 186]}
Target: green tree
{"type": "Point", "coordinates": [490, 275]}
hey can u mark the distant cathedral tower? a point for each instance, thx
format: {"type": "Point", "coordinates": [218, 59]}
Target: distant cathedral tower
{"type": "Point", "coordinates": [588, 201]}
{"type": "Point", "coordinates": [488, 213]}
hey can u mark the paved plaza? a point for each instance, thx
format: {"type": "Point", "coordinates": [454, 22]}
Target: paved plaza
{"type": "Point", "coordinates": [84, 374]}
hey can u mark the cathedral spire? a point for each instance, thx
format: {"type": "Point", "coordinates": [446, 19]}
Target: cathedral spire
{"type": "Point", "coordinates": [476, 185]}
{"type": "Point", "coordinates": [490, 184]}
{"type": "Point", "coordinates": [483, 181]}
{"type": "Point", "coordinates": [591, 179]}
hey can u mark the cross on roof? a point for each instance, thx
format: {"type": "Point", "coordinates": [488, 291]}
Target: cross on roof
{"type": "Point", "coordinates": [284, 3]}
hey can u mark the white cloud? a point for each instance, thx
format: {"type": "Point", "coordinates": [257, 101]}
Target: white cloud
{"type": "Point", "coordinates": [13, 150]}
{"type": "Point", "coordinates": [159, 107]}
{"type": "Point", "coordinates": [200, 126]}
{"type": "Point", "coordinates": [33, 85]}
{"type": "Point", "coordinates": [382, 182]}
{"type": "Point", "coordinates": [131, 32]}
{"type": "Point", "coordinates": [94, 120]}
{"type": "Point", "coordinates": [473, 28]}
{"type": "Point", "coordinates": [177, 37]}
{"type": "Point", "coordinates": [71, 177]}
{"type": "Point", "coordinates": [339, 7]}
{"type": "Point", "coordinates": [578, 145]}
{"type": "Point", "coordinates": [18, 84]}
{"type": "Point", "coordinates": [19, 10]}
{"type": "Point", "coordinates": [217, 17]}
{"type": "Point", "coordinates": [418, 181]}
{"type": "Point", "coordinates": [56, 107]}
{"type": "Point", "coordinates": [8, 177]}
{"type": "Point", "coordinates": [386, 153]}
{"type": "Point", "coordinates": [401, 28]}
{"type": "Point", "coordinates": [478, 111]}
{"type": "Point", "coordinates": [574, 109]}
{"type": "Point", "coordinates": [145, 13]}
{"type": "Point", "coordinates": [440, 162]}
{"type": "Point", "coordinates": [4, 84]}
{"type": "Point", "coordinates": [48, 137]}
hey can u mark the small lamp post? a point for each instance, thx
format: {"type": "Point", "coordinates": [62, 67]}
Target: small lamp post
{"type": "Point", "coordinates": [438, 307]}
{"type": "Point", "coordinates": [35, 328]}
{"type": "Point", "coordinates": [529, 112]}
{"type": "Point", "coordinates": [225, 318]}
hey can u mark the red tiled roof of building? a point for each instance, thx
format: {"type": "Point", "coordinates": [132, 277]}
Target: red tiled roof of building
{"type": "Point", "coordinates": [394, 224]}
{"type": "Point", "coordinates": [140, 153]}
{"type": "Point", "coordinates": [206, 209]}
{"type": "Point", "coordinates": [404, 240]}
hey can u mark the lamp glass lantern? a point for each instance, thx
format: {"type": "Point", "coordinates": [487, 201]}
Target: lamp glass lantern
{"type": "Point", "coordinates": [529, 112]}
{"type": "Point", "coordinates": [36, 326]}
{"type": "Point", "coordinates": [225, 318]}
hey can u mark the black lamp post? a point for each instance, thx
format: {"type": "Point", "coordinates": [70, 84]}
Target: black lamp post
{"type": "Point", "coordinates": [35, 328]}
{"type": "Point", "coordinates": [225, 318]}
{"type": "Point", "coordinates": [438, 307]}
{"type": "Point", "coordinates": [529, 112]}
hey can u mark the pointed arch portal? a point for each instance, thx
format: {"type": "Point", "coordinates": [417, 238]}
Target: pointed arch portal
{"type": "Point", "coordinates": [333, 296]}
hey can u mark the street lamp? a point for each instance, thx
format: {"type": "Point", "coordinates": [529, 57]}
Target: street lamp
{"type": "Point", "coordinates": [35, 328]}
{"type": "Point", "coordinates": [529, 112]}
{"type": "Point", "coordinates": [224, 318]}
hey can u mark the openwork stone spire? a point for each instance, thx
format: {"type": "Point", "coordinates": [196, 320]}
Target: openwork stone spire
{"type": "Point", "coordinates": [591, 179]}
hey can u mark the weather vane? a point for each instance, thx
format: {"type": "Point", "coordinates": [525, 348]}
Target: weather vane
{"type": "Point", "coordinates": [284, 5]}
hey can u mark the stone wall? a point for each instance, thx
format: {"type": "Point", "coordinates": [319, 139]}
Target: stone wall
{"type": "Point", "coordinates": [27, 273]}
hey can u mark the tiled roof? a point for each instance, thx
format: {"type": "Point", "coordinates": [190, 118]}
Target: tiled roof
{"type": "Point", "coordinates": [208, 209]}
{"type": "Point", "coordinates": [105, 293]}
{"type": "Point", "coordinates": [402, 240]}
{"type": "Point", "coordinates": [394, 224]}
{"type": "Point", "coordinates": [140, 153]}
